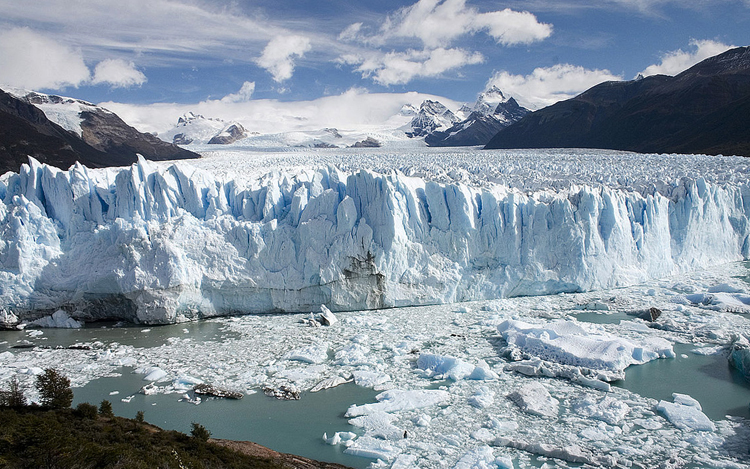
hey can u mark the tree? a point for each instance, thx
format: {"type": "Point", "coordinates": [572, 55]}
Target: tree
{"type": "Point", "coordinates": [105, 409]}
{"type": "Point", "coordinates": [54, 389]}
{"type": "Point", "coordinates": [14, 397]}
{"type": "Point", "coordinates": [199, 432]}
{"type": "Point", "coordinates": [139, 416]}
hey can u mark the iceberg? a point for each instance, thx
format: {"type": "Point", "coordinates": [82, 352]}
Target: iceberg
{"type": "Point", "coordinates": [569, 343]}
{"type": "Point", "coordinates": [157, 243]}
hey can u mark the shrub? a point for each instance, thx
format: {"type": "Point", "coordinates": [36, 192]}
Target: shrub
{"type": "Point", "coordinates": [54, 389]}
{"type": "Point", "coordinates": [199, 432]}
{"type": "Point", "coordinates": [105, 409]}
{"type": "Point", "coordinates": [86, 410]}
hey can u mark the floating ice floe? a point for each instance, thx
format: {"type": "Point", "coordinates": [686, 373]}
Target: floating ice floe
{"type": "Point", "coordinates": [569, 343]}
{"type": "Point", "coordinates": [685, 413]}
{"type": "Point", "coordinates": [397, 400]}
{"type": "Point", "coordinates": [447, 367]}
{"type": "Point", "coordinates": [329, 383]}
{"type": "Point", "coordinates": [370, 379]}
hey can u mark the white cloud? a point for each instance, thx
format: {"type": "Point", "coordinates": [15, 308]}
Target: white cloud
{"type": "Point", "coordinates": [31, 60]}
{"type": "Point", "coordinates": [677, 61]}
{"type": "Point", "coordinates": [162, 32]}
{"type": "Point", "coordinates": [546, 86]}
{"type": "Point", "coordinates": [118, 74]}
{"type": "Point", "coordinates": [437, 23]}
{"type": "Point", "coordinates": [401, 67]}
{"type": "Point", "coordinates": [243, 95]}
{"type": "Point", "coordinates": [351, 32]}
{"type": "Point", "coordinates": [279, 53]}
{"type": "Point", "coordinates": [353, 110]}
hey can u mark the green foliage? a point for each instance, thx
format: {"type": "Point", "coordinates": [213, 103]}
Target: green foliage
{"type": "Point", "coordinates": [139, 417]}
{"type": "Point", "coordinates": [65, 439]}
{"type": "Point", "coordinates": [14, 396]}
{"type": "Point", "coordinates": [105, 409]}
{"type": "Point", "coordinates": [199, 432]}
{"type": "Point", "coordinates": [86, 410]}
{"type": "Point", "coordinates": [54, 389]}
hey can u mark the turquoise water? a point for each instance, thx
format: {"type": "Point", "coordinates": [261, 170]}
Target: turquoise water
{"type": "Point", "coordinates": [135, 335]}
{"type": "Point", "coordinates": [295, 427]}
{"type": "Point", "coordinates": [721, 389]}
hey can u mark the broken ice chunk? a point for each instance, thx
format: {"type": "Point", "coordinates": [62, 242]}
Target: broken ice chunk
{"type": "Point", "coordinates": [478, 458]}
{"type": "Point", "coordinates": [685, 415]}
{"type": "Point", "coordinates": [314, 353]}
{"type": "Point", "coordinates": [534, 399]}
{"type": "Point", "coordinates": [453, 368]}
{"type": "Point", "coordinates": [482, 397]}
{"type": "Point", "coordinates": [327, 318]}
{"type": "Point", "coordinates": [329, 383]}
{"type": "Point", "coordinates": [608, 409]}
{"type": "Point", "coordinates": [370, 379]}
{"type": "Point", "coordinates": [397, 400]}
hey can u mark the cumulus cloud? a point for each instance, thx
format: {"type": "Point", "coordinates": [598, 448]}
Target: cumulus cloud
{"type": "Point", "coordinates": [278, 55]}
{"type": "Point", "coordinates": [677, 61]}
{"type": "Point", "coordinates": [401, 67]}
{"type": "Point", "coordinates": [118, 74]}
{"type": "Point", "coordinates": [437, 23]}
{"type": "Point", "coordinates": [548, 85]}
{"type": "Point", "coordinates": [243, 95]}
{"type": "Point", "coordinates": [34, 61]}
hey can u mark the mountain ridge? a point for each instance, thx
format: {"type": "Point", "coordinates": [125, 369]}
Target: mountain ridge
{"type": "Point", "coordinates": [691, 112]}
{"type": "Point", "coordinates": [83, 132]}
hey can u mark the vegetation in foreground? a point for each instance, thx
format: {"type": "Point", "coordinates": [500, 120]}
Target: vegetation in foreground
{"type": "Point", "coordinates": [55, 436]}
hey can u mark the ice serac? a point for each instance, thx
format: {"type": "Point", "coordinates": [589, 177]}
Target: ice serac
{"type": "Point", "coordinates": [160, 244]}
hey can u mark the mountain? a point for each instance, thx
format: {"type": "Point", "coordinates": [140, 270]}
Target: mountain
{"type": "Point", "coordinates": [60, 131]}
{"type": "Point", "coordinates": [702, 110]}
{"type": "Point", "coordinates": [432, 116]}
{"type": "Point", "coordinates": [195, 128]}
{"type": "Point", "coordinates": [491, 113]}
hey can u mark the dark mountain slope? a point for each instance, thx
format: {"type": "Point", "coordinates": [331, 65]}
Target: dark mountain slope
{"type": "Point", "coordinates": [702, 110]}
{"type": "Point", "coordinates": [105, 139]}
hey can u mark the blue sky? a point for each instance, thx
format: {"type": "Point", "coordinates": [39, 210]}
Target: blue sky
{"type": "Point", "coordinates": [183, 51]}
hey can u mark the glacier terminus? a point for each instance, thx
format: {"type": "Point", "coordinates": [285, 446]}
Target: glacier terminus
{"type": "Point", "coordinates": [161, 243]}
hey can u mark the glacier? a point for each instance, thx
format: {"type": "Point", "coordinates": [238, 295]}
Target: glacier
{"type": "Point", "coordinates": [163, 243]}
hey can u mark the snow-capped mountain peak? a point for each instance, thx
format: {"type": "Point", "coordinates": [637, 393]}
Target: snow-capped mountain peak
{"type": "Point", "coordinates": [488, 101]}
{"type": "Point", "coordinates": [432, 115]}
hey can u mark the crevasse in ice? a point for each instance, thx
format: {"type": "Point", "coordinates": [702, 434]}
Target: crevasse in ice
{"type": "Point", "coordinates": [159, 244]}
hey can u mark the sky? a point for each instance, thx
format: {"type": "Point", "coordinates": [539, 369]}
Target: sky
{"type": "Point", "coordinates": [181, 52]}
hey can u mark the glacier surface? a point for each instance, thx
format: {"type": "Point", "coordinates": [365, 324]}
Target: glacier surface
{"type": "Point", "coordinates": [171, 242]}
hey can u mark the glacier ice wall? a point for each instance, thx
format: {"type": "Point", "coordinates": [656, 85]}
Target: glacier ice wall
{"type": "Point", "coordinates": [163, 244]}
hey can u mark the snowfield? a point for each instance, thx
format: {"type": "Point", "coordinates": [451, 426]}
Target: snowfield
{"type": "Point", "coordinates": [526, 241]}
{"type": "Point", "coordinates": [247, 232]}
